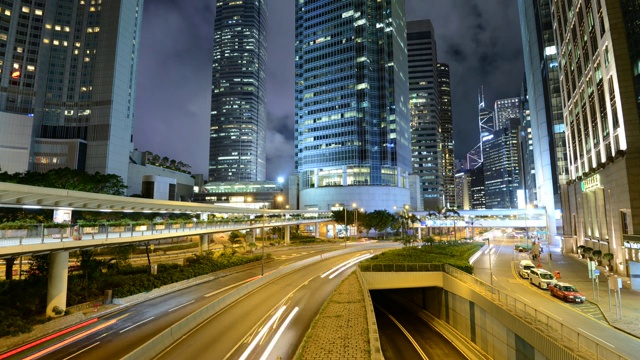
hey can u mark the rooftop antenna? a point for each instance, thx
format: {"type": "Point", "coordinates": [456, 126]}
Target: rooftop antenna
{"type": "Point", "coordinates": [481, 97]}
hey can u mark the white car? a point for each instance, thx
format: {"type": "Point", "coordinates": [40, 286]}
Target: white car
{"type": "Point", "coordinates": [524, 267]}
{"type": "Point", "coordinates": [541, 278]}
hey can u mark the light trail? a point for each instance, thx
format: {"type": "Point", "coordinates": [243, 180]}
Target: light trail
{"type": "Point", "coordinates": [262, 332]}
{"type": "Point", "coordinates": [273, 342]}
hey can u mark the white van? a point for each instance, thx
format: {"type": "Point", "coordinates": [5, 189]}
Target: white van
{"type": "Point", "coordinates": [541, 278]}
{"type": "Point", "coordinates": [524, 268]}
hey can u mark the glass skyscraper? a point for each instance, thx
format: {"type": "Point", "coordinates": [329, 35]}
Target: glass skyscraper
{"type": "Point", "coordinates": [352, 128]}
{"type": "Point", "coordinates": [237, 143]}
{"type": "Point", "coordinates": [72, 66]}
{"type": "Point", "coordinates": [446, 130]}
{"type": "Point", "coordinates": [424, 104]}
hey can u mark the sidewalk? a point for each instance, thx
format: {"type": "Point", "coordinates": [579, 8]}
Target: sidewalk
{"type": "Point", "coordinates": [574, 270]}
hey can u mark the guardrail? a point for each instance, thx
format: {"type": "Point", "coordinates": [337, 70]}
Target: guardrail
{"type": "Point", "coordinates": [563, 333]}
{"type": "Point", "coordinates": [42, 233]}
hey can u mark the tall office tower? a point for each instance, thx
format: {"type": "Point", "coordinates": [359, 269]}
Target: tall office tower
{"type": "Point", "coordinates": [486, 125]}
{"type": "Point", "coordinates": [237, 139]}
{"type": "Point", "coordinates": [71, 66]}
{"type": "Point", "coordinates": [446, 131]}
{"type": "Point", "coordinates": [526, 149]}
{"type": "Point", "coordinates": [476, 188]}
{"type": "Point", "coordinates": [424, 103]}
{"type": "Point", "coordinates": [463, 185]}
{"type": "Point", "coordinates": [599, 53]}
{"type": "Point", "coordinates": [505, 110]}
{"type": "Point", "coordinates": [545, 104]}
{"type": "Point", "coordinates": [501, 164]}
{"type": "Point", "coordinates": [352, 126]}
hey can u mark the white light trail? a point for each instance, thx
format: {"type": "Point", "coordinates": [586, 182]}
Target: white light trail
{"type": "Point", "coordinates": [340, 268]}
{"type": "Point", "coordinates": [278, 334]}
{"type": "Point", "coordinates": [261, 333]}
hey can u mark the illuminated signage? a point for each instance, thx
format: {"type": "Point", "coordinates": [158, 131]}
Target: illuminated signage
{"type": "Point", "coordinates": [591, 183]}
{"type": "Point", "coordinates": [632, 245]}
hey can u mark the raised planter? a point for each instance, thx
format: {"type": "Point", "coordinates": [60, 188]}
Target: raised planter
{"type": "Point", "coordinates": [117, 228]}
{"type": "Point", "coordinates": [159, 226]}
{"type": "Point", "coordinates": [17, 233]}
{"type": "Point", "coordinates": [141, 228]}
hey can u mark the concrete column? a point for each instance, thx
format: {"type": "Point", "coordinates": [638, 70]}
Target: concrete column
{"type": "Point", "coordinates": [204, 243]}
{"type": "Point", "coordinates": [287, 235]}
{"type": "Point", "coordinates": [57, 288]}
{"type": "Point", "coordinates": [316, 230]}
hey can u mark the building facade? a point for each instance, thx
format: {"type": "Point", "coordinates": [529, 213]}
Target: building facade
{"type": "Point", "coordinates": [526, 151]}
{"type": "Point", "coordinates": [427, 156]}
{"type": "Point", "coordinates": [72, 66]}
{"type": "Point", "coordinates": [598, 55]}
{"type": "Point", "coordinates": [502, 177]}
{"type": "Point", "coordinates": [545, 105]}
{"type": "Point", "coordinates": [237, 142]}
{"type": "Point", "coordinates": [486, 126]}
{"type": "Point", "coordinates": [352, 126]}
{"type": "Point", "coordinates": [505, 110]}
{"type": "Point", "coordinates": [446, 131]}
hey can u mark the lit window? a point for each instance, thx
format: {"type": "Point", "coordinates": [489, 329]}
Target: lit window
{"type": "Point", "coordinates": [38, 12]}
{"type": "Point", "coordinates": [48, 26]}
{"type": "Point", "coordinates": [7, 12]}
{"type": "Point", "coordinates": [58, 27]}
{"type": "Point", "coordinates": [26, 9]}
{"type": "Point", "coordinates": [56, 42]}
{"type": "Point", "coordinates": [46, 41]}
{"type": "Point", "coordinates": [66, 29]}
{"type": "Point", "coordinates": [31, 68]}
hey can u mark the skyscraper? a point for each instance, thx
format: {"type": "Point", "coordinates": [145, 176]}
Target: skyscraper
{"type": "Point", "coordinates": [545, 104]}
{"type": "Point", "coordinates": [424, 104]}
{"type": "Point", "coordinates": [352, 128]}
{"type": "Point", "coordinates": [446, 131]}
{"type": "Point", "coordinates": [237, 143]}
{"type": "Point", "coordinates": [486, 125]}
{"type": "Point", "coordinates": [502, 174]}
{"type": "Point", "coordinates": [598, 57]}
{"type": "Point", "coordinates": [505, 110]}
{"type": "Point", "coordinates": [72, 67]}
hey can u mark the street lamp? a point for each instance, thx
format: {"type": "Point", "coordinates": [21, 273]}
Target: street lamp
{"type": "Point", "coordinates": [355, 221]}
{"type": "Point", "coordinates": [344, 208]}
{"type": "Point", "coordinates": [264, 219]}
{"type": "Point", "coordinates": [490, 267]}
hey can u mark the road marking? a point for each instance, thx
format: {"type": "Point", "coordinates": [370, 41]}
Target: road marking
{"type": "Point", "coordinates": [134, 325]}
{"type": "Point", "coordinates": [103, 335]}
{"type": "Point", "coordinates": [83, 350]}
{"type": "Point", "coordinates": [525, 299]}
{"type": "Point", "coordinates": [406, 333]}
{"type": "Point", "coordinates": [595, 337]}
{"type": "Point", "coordinates": [550, 313]}
{"type": "Point", "coordinates": [178, 307]}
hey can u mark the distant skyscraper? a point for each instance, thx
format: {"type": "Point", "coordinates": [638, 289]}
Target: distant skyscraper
{"type": "Point", "coordinates": [501, 164]}
{"type": "Point", "coordinates": [463, 184]}
{"type": "Point", "coordinates": [237, 143]}
{"type": "Point", "coordinates": [476, 188]}
{"type": "Point", "coordinates": [424, 104]}
{"type": "Point", "coordinates": [545, 104]}
{"type": "Point", "coordinates": [526, 149]}
{"type": "Point", "coordinates": [505, 110]}
{"type": "Point", "coordinates": [446, 131]}
{"type": "Point", "coordinates": [72, 66]}
{"type": "Point", "coordinates": [598, 56]}
{"type": "Point", "coordinates": [352, 128]}
{"type": "Point", "coordinates": [486, 125]}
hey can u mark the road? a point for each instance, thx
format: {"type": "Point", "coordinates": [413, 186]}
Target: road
{"type": "Point", "coordinates": [115, 335]}
{"type": "Point", "coordinates": [404, 335]}
{"type": "Point", "coordinates": [582, 319]}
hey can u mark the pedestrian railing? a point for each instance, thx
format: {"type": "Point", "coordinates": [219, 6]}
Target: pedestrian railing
{"type": "Point", "coordinates": [46, 233]}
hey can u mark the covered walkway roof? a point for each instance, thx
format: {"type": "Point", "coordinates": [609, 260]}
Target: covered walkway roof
{"type": "Point", "coordinates": [25, 196]}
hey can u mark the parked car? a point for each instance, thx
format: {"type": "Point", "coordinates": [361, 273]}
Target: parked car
{"type": "Point", "coordinates": [566, 292]}
{"type": "Point", "coordinates": [541, 278]}
{"type": "Point", "coordinates": [524, 267]}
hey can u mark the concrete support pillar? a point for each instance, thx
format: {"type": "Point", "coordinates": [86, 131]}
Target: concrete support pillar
{"type": "Point", "coordinates": [420, 233]}
{"type": "Point", "coordinates": [57, 288]}
{"type": "Point", "coordinates": [316, 230]}
{"type": "Point", "coordinates": [287, 235]}
{"type": "Point", "coordinates": [204, 243]}
{"type": "Point", "coordinates": [255, 234]}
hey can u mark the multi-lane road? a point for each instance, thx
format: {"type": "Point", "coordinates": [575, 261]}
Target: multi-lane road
{"type": "Point", "coordinates": [295, 298]}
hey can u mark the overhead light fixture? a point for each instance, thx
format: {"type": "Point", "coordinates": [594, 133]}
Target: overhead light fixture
{"type": "Point", "coordinates": [31, 207]}
{"type": "Point", "coordinates": [106, 210]}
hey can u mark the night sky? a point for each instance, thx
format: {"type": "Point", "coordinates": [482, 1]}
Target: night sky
{"type": "Point", "coordinates": [479, 39]}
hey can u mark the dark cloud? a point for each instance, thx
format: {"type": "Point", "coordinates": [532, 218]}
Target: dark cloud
{"type": "Point", "coordinates": [479, 39]}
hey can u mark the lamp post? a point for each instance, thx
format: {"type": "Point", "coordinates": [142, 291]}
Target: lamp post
{"type": "Point", "coordinates": [355, 221]}
{"type": "Point", "coordinates": [344, 208]}
{"type": "Point", "coordinates": [264, 219]}
{"type": "Point", "coordinates": [490, 267]}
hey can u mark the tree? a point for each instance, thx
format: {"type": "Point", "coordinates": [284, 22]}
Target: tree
{"type": "Point", "coordinates": [164, 161]}
{"type": "Point", "coordinates": [91, 268]}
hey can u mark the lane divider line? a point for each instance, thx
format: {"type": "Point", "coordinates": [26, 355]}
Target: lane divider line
{"type": "Point", "coordinates": [185, 304]}
{"type": "Point", "coordinates": [134, 325]}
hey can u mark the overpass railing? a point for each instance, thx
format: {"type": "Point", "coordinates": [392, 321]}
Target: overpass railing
{"type": "Point", "coordinates": [563, 333]}
{"type": "Point", "coordinates": [28, 234]}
